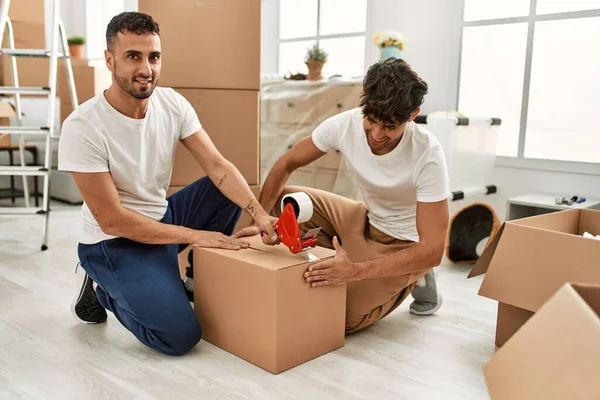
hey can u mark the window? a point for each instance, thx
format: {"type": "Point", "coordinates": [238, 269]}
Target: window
{"type": "Point", "coordinates": [302, 23]}
{"type": "Point", "coordinates": [532, 64]}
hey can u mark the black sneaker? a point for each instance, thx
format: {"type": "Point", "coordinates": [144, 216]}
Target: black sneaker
{"type": "Point", "coordinates": [86, 307]}
{"type": "Point", "coordinates": [188, 283]}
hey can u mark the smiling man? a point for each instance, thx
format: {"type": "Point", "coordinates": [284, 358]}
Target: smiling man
{"type": "Point", "coordinates": [395, 236]}
{"type": "Point", "coordinates": [119, 147]}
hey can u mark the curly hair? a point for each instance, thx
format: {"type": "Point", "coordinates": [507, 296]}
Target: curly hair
{"type": "Point", "coordinates": [130, 21]}
{"type": "Point", "coordinates": [392, 92]}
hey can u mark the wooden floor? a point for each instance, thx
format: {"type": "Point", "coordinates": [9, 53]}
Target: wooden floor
{"type": "Point", "coordinates": [46, 354]}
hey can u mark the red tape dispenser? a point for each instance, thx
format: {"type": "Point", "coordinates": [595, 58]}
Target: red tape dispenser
{"type": "Point", "coordinates": [297, 208]}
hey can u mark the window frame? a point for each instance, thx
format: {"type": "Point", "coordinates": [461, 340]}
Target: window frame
{"type": "Point", "coordinates": [520, 161]}
{"type": "Point", "coordinates": [319, 37]}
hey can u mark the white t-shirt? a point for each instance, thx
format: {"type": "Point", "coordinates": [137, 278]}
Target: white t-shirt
{"type": "Point", "coordinates": [138, 153]}
{"type": "Point", "coordinates": [391, 184]}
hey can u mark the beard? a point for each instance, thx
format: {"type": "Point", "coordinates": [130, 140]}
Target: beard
{"type": "Point", "coordinates": [128, 85]}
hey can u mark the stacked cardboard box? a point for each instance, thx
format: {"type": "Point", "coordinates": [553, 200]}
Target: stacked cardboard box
{"type": "Point", "coordinates": [217, 69]}
{"type": "Point", "coordinates": [530, 259]}
{"type": "Point", "coordinates": [253, 303]}
{"type": "Point", "coordinates": [28, 22]}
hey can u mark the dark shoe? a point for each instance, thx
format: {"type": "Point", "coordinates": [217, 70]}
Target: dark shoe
{"type": "Point", "coordinates": [86, 307]}
{"type": "Point", "coordinates": [188, 283]}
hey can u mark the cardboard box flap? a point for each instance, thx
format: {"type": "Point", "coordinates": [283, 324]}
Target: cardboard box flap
{"type": "Point", "coordinates": [482, 264]}
{"type": "Point", "coordinates": [529, 265]}
{"type": "Point", "coordinates": [591, 295]}
{"type": "Point", "coordinates": [561, 221]}
{"type": "Point", "coordinates": [271, 257]}
{"type": "Point", "coordinates": [589, 221]}
{"type": "Point", "coordinates": [554, 355]}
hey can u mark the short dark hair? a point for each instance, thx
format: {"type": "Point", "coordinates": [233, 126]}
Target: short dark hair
{"type": "Point", "coordinates": [392, 91]}
{"type": "Point", "coordinates": [130, 21]}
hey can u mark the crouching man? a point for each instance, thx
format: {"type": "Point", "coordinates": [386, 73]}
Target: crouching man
{"type": "Point", "coordinates": [394, 238]}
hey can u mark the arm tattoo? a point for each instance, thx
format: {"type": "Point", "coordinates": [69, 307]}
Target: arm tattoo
{"type": "Point", "coordinates": [250, 208]}
{"type": "Point", "coordinates": [222, 180]}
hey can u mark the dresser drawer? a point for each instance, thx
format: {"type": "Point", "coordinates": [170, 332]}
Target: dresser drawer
{"type": "Point", "coordinates": [293, 110]}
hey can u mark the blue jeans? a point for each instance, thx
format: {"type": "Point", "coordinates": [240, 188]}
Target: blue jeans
{"type": "Point", "coordinates": [140, 283]}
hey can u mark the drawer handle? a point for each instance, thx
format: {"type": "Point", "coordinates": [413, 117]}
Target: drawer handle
{"type": "Point", "coordinates": [340, 105]}
{"type": "Point", "coordinates": [290, 105]}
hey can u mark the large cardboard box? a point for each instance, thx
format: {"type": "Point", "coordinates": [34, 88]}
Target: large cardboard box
{"type": "Point", "coordinates": [255, 304]}
{"type": "Point", "coordinates": [7, 111]}
{"type": "Point", "coordinates": [28, 23]}
{"type": "Point", "coordinates": [555, 354]}
{"type": "Point", "coordinates": [529, 259]}
{"type": "Point", "coordinates": [211, 44]}
{"type": "Point", "coordinates": [27, 10]}
{"type": "Point", "coordinates": [230, 117]}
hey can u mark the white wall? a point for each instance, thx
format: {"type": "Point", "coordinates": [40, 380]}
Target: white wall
{"type": "Point", "coordinates": [269, 36]}
{"type": "Point", "coordinates": [432, 31]}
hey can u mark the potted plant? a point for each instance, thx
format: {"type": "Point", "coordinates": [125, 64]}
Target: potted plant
{"type": "Point", "coordinates": [390, 43]}
{"type": "Point", "coordinates": [76, 46]}
{"type": "Point", "coordinates": [315, 58]}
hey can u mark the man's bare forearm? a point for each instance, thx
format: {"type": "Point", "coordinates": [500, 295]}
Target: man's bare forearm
{"type": "Point", "coordinates": [273, 186]}
{"type": "Point", "coordinates": [413, 259]}
{"type": "Point", "coordinates": [134, 226]}
{"type": "Point", "coordinates": [232, 184]}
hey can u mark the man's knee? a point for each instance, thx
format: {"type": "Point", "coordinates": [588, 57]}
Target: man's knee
{"type": "Point", "coordinates": [182, 341]}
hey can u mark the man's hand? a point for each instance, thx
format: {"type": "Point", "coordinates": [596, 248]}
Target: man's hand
{"type": "Point", "coordinates": [218, 240]}
{"type": "Point", "coordinates": [335, 271]}
{"type": "Point", "coordinates": [260, 225]}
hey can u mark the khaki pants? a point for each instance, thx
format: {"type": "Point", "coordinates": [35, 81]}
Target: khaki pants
{"type": "Point", "coordinates": [368, 301]}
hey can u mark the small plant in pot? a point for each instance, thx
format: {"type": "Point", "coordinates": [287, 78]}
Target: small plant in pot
{"type": "Point", "coordinates": [76, 46]}
{"type": "Point", "coordinates": [315, 58]}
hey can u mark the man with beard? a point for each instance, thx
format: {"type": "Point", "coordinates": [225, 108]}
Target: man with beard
{"type": "Point", "coordinates": [119, 147]}
{"type": "Point", "coordinates": [392, 240]}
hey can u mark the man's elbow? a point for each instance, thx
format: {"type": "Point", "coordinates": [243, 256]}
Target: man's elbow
{"type": "Point", "coordinates": [436, 255]}
{"type": "Point", "coordinates": [111, 223]}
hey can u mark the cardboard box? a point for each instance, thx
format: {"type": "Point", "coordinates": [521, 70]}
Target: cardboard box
{"type": "Point", "coordinates": [7, 111]}
{"type": "Point", "coordinates": [212, 44]}
{"type": "Point", "coordinates": [529, 259]}
{"type": "Point", "coordinates": [555, 354]}
{"type": "Point", "coordinates": [27, 10]}
{"type": "Point", "coordinates": [32, 71]}
{"type": "Point", "coordinates": [230, 117]}
{"type": "Point", "coordinates": [254, 303]}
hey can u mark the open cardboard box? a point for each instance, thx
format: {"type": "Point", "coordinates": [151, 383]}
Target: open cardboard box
{"type": "Point", "coordinates": [529, 259]}
{"type": "Point", "coordinates": [254, 303]}
{"type": "Point", "coordinates": [555, 354]}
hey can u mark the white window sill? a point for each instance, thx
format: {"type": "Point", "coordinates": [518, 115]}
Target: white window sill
{"type": "Point", "coordinates": [548, 165]}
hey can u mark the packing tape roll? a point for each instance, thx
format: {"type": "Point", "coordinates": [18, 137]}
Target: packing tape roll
{"type": "Point", "coordinates": [303, 206]}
